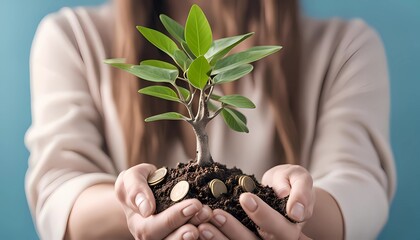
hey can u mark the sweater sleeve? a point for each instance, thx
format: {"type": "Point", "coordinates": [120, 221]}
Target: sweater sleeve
{"type": "Point", "coordinates": [65, 140]}
{"type": "Point", "coordinates": [351, 156]}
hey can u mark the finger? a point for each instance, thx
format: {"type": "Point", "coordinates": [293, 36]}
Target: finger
{"type": "Point", "coordinates": [230, 226]}
{"type": "Point", "coordinates": [278, 180]}
{"type": "Point", "coordinates": [161, 225]}
{"type": "Point", "coordinates": [269, 220]}
{"type": "Point", "coordinates": [119, 187]}
{"type": "Point", "coordinates": [204, 215]}
{"type": "Point", "coordinates": [302, 195]}
{"type": "Point", "coordinates": [295, 181]}
{"type": "Point", "coordinates": [139, 197]}
{"type": "Point", "coordinates": [304, 237]}
{"type": "Point", "coordinates": [186, 232]}
{"type": "Point", "coordinates": [265, 235]}
{"type": "Point", "coordinates": [210, 232]}
{"type": "Point", "coordinates": [267, 177]}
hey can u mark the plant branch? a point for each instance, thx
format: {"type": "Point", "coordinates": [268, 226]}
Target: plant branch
{"type": "Point", "coordinates": [201, 106]}
{"type": "Point", "coordinates": [218, 111]}
{"type": "Point", "coordinates": [179, 93]}
{"type": "Point", "coordinates": [184, 102]}
{"type": "Point", "coordinates": [192, 91]}
{"type": "Point", "coordinates": [210, 93]}
{"type": "Point", "coordinates": [188, 107]}
{"type": "Point", "coordinates": [183, 79]}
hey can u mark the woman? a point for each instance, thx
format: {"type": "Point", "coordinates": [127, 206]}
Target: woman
{"type": "Point", "coordinates": [319, 133]}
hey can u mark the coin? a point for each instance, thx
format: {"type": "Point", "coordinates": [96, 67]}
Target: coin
{"type": "Point", "coordinates": [157, 176]}
{"type": "Point", "coordinates": [247, 184]}
{"type": "Point", "coordinates": [179, 191]}
{"type": "Point", "coordinates": [217, 187]}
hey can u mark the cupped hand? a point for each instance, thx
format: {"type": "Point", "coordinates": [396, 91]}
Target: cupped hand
{"type": "Point", "coordinates": [177, 222]}
{"type": "Point", "coordinates": [271, 224]}
{"type": "Point", "coordinates": [290, 180]}
{"type": "Point", "coordinates": [295, 181]}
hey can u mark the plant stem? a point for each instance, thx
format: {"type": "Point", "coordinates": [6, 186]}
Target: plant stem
{"type": "Point", "coordinates": [199, 126]}
{"type": "Point", "coordinates": [203, 152]}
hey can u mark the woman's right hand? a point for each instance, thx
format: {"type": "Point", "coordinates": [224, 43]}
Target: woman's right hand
{"type": "Point", "coordinates": [136, 197]}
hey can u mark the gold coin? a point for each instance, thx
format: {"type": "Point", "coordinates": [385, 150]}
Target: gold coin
{"type": "Point", "coordinates": [247, 184]}
{"type": "Point", "coordinates": [217, 187]}
{"type": "Point", "coordinates": [157, 176]}
{"type": "Point", "coordinates": [179, 191]}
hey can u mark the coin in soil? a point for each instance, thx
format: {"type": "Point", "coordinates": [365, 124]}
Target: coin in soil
{"type": "Point", "coordinates": [179, 191]}
{"type": "Point", "coordinates": [157, 177]}
{"type": "Point", "coordinates": [247, 184]}
{"type": "Point", "coordinates": [217, 187]}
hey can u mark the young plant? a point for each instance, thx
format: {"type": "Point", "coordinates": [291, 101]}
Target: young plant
{"type": "Point", "coordinates": [202, 64]}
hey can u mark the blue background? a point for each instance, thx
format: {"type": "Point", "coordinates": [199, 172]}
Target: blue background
{"type": "Point", "coordinates": [398, 22]}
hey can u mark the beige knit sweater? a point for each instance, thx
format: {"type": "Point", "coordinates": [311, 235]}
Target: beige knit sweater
{"type": "Point", "coordinates": [343, 120]}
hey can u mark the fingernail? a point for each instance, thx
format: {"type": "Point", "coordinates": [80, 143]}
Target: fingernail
{"type": "Point", "coordinates": [139, 199]}
{"type": "Point", "coordinates": [204, 214]}
{"type": "Point", "coordinates": [249, 203]}
{"type": "Point", "coordinates": [190, 210]}
{"type": "Point", "coordinates": [188, 236]}
{"type": "Point", "coordinates": [145, 209]}
{"type": "Point", "coordinates": [207, 234]}
{"type": "Point", "coordinates": [220, 219]}
{"type": "Point", "coordinates": [297, 212]}
{"type": "Point", "coordinates": [144, 206]}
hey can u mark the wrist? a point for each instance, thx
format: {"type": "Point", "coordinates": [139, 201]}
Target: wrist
{"type": "Point", "coordinates": [97, 214]}
{"type": "Point", "coordinates": [327, 220]}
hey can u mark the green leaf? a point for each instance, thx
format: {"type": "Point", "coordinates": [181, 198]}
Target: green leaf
{"type": "Point", "coordinates": [188, 50]}
{"type": "Point", "coordinates": [185, 93]}
{"type": "Point", "coordinates": [160, 92]}
{"type": "Point", "coordinates": [233, 74]}
{"type": "Point", "coordinates": [198, 33]}
{"type": "Point", "coordinates": [239, 115]}
{"type": "Point", "coordinates": [159, 64]}
{"type": "Point", "coordinates": [215, 97]}
{"type": "Point", "coordinates": [237, 101]}
{"type": "Point", "coordinates": [251, 55]}
{"type": "Point", "coordinates": [154, 74]}
{"type": "Point", "coordinates": [118, 63]}
{"type": "Point", "coordinates": [166, 116]}
{"type": "Point", "coordinates": [145, 72]}
{"type": "Point", "coordinates": [174, 28]}
{"type": "Point", "coordinates": [234, 121]}
{"type": "Point", "coordinates": [198, 72]}
{"type": "Point", "coordinates": [159, 39]}
{"type": "Point", "coordinates": [213, 107]}
{"type": "Point", "coordinates": [182, 60]}
{"type": "Point", "coordinates": [221, 47]}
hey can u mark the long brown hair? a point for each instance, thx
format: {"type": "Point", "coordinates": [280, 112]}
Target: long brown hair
{"type": "Point", "coordinates": [274, 22]}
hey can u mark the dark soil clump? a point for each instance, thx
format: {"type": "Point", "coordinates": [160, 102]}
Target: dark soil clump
{"type": "Point", "coordinates": [199, 177]}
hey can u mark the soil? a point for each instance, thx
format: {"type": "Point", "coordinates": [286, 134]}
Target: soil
{"type": "Point", "coordinates": [198, 177]}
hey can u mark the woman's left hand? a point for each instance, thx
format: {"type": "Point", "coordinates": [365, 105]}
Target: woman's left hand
{"type": "Point", "coordinates": [291, 180]}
